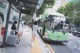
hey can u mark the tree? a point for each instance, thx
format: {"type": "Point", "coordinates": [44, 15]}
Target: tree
{"type": "Point", "coordinates": [27, 17]}
{"type": "Point", "coordinates": [71, 10]}
{"type": "Point", "coordinates": [46, 4]}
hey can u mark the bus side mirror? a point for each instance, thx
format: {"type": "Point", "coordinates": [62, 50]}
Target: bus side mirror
{"type": "Point", "coordinates": [63, 32]}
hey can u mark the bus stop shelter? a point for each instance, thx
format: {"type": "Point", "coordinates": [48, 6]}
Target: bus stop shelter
{"type": "Point", "coordinates": [23, 6]}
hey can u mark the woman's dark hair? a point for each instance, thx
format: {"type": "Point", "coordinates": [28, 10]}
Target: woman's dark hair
{"type": "Point", "coordinates": [15, 22]}
{"type": "Point", "coordinates": [14, 26]}
{"type": "Point", "coordinates": [2, 16]}
{"type": "Point", "coordinates": [35, 23]}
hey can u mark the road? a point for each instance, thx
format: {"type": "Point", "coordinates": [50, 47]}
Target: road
{"type": "Point", "coordinates": [72, 46]}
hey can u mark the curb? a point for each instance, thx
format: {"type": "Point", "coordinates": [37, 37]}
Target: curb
{"type": "Point", "coordinates": [36, 48]}
{"type": "Point", "coordinates": [52, 51]}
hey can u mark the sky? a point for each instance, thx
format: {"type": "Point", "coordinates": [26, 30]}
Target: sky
{"type": "Point", "coordinates": [56, 6]}
{"type": "Point", "coordinates": [58, 3]}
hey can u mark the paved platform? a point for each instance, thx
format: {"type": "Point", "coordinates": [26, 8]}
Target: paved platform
{"type": "Point", "coordinates": [36, 47]}
{"type": "Point", "coordinates": [25, 44]}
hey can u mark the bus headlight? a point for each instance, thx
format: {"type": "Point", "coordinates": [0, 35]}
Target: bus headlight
{"type": "Point", "coordinates": [46, 35]}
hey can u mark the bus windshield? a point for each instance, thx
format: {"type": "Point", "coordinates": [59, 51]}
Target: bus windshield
{"type": "Point", "coordinates": [55, 23]}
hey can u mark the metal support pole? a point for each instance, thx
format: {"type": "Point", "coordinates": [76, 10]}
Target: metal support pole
{"type": "Point", "coordinates": [19, 20]}
{"type": "Point", "coordinates": [6, 26]}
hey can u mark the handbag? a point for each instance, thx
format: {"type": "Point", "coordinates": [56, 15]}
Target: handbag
{"type": "Point", "coordinates": [12, 32]}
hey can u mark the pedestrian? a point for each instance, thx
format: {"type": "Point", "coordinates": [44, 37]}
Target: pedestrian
{"type": "Point", "coordinates": [34, 32]}
{"type": "Point", "coordinates": [14, 28]}
{"type": "Point", "coordinates": [15, 32]}
{"type": "Point", "coordinates": [1, 28]}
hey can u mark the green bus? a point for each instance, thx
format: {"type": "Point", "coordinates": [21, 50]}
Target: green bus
{"type": "Point", "coordinates": [51, 29]}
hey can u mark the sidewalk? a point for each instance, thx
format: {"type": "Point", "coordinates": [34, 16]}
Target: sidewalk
{"type": "Point", "coordinates": [41, 45]}
{"type": "Point", "coordinates": [25, 44]}
{"type": "Point", "coordinates": [36, 48]}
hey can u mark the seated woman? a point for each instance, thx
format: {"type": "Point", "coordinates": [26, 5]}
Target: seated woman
{"type": "Point", "coordinates": [14, 30]}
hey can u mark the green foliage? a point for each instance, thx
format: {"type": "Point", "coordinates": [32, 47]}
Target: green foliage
{"type": "Point", "coordinates": [46, 4]}
{"type": "Point", "coordinates": [66, 10]}
{"type": "Point", "coordinates": [61, 10]}
{"type": "Point", "coordinates": [27, 17]}
{"type": "Point", "coordinates": [71, 10]}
